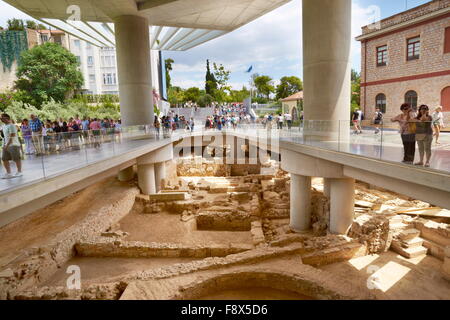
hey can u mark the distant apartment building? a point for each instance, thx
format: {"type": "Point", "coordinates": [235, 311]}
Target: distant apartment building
{"type": "Point", "coordinates": [406, 58]}
{"type": "Point", "coordinates": [97, 64]}
{"type": "Point", "coordinates": [99, 68]}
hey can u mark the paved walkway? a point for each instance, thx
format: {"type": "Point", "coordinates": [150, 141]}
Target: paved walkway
{"type": "Point", "coordinates": [387, 147]}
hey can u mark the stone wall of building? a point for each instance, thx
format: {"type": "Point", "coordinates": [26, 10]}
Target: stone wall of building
{"type": "Point", "coordinates": [428, 76]}
{"type": "Point", "coordinates": [411, 14]}
{"type": "Point", "coordinates": [428, 91]}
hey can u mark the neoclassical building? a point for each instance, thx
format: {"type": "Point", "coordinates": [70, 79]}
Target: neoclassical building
{"type": "Point", "coordinates": [406, 58]}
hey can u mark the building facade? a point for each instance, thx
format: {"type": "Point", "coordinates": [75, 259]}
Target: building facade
{"type": "Point", "coordinates": [293, 105]}
{"type": "Point", "coordinates": [32, 38]}
{"type": "Point", "coordinates": [99, 68]}
{"type": "Point", "coordinates": [406, 58]}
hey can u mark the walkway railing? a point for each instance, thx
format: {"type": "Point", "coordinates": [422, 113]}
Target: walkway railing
{"type": "Point", "coordinates": [63, 152]}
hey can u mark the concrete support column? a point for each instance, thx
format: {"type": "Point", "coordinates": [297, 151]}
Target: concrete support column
{"type": "Point", "coordinates": [126, 174]}
{"type": "Point", "coordinates": [146, 178]}
{"type": "Point", "coordinates": [134, 70]}
{"type": "Point", "coordinates": [326, 69]}
{"type": "Point", "coordinates": [300, 203]}
{"type": "Point", "coordinates": [326, 187]}
{"type": "Point", "coordinates": [160, 173]}
{"type": "Point", "coordinates": [342, 203]}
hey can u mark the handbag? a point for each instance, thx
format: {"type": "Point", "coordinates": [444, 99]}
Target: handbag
{"type": "Point", "coordinates": [412, 127]}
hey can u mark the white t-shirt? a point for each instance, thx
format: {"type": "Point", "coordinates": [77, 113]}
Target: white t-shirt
{"type": "Point", "coordinates": [288, 117]}
{"type": "Point", "coordinates": [280, 118]}
{"type": "Point", "coordinates": [9, 129]}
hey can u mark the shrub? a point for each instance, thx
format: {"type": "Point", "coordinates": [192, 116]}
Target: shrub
{"type": "Point", "coordinates": [5, 100]}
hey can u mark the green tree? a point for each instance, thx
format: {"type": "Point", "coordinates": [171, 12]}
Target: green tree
{"type": "Point", "coordinates": [192, 94]}
{"type": "Point", "coordinates": [204, 100]}
{"type": "Point", "coordinates": [264, 86]}
{"type": "Point", "coordinates": [175, 95]}
{"type": "Point", "coordinates": [288, 86]}
{"type": "Point", "coordinates": [239, 95]}
{"type": "Point", "coordinates": [168, 64]}
{"type": "Point", "coordinates": [356, 90]}
{"type": "Point", "coordinates": [222, 77]}
{"type": "Point", "coordinates": [15, 24]}
{"type": "Point", "coordinates": [48, 72]}
{"type": "Point", "coordinates": [210, 80]}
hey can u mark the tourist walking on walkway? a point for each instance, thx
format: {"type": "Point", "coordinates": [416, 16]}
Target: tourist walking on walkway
{"type": "Point", "coordinates": [65, 135]}
{"type": "Point", "coordinates": [357, 118]}
{"type": "Point", "coordinates": [288, 118]}
{"type": "Point", "coordinates": [26, 134]}
{"type": "Point", "coordinates": [191, 124]}
{"type": "Point", "coordinates": [95, 127]}
{"type": "Point", "coordinates": [438, 123]}
{"type": "Point", "coordinates": [424, 134]}
{"type": "Point", "coordinates": [36, 126]}
{"type": "Point", "coordinates": [407, 131]}
{"type": "Point", "coordinates": [377, 120]}
{"type": "Point", "coordinates": [11, 147]}
{"type": "Point", "coordinates": [85, 128]}
{"type": "Point", "coordinates": [75, 135]}
{"type": "Point", "coordinates": [280, 122]}
{"type": "Point", "coordinates": [157, 125]}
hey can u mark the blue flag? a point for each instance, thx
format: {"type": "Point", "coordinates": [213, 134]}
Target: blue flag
{"type": "Point", "coordinates": [250, 69]}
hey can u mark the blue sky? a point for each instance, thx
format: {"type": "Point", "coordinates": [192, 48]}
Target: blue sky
{"type": "Point", "coordinates": [272, 43]}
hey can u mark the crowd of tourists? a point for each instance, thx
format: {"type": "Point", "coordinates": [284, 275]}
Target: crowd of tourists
{"type": "Point", "coordinates": [279, 121]}
{"type": "Point", "coordinates": [36, 137]}
{"type": "Point", "coordinates": [419, 128]}
{"type": "Point", "coordinates": [172, 122]}
{"type": "Point", "coordinates": [228, 117]}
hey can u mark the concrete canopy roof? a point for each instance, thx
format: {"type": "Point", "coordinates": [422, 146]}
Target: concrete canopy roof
{"type": "Point", "coordinates": [176, 25]}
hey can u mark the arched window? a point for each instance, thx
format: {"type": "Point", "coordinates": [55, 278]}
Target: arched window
{"type": "Point", "coordinates": [380, 102]}
{"type": "Point", "coordinates": [294, 114]}
{"type": "Point", "coordinates": [445, 99]}
{"type": "Point", "coordinates": [411, 99]}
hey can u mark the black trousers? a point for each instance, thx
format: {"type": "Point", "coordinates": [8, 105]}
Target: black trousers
{"type": "Point", "coordinates": [409, 147]}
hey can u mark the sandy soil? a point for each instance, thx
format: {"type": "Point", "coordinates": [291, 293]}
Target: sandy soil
{"type": "Point", "coordinates": [256, 293]}
{"type": "Point", "coordinates": [99, 270]}
{"type": "Point", "coordinates": [41, 226]}
{"type": "Point", "coordinates": [168, 228]}
{"type": "Point", "coordinates": [396, 276]}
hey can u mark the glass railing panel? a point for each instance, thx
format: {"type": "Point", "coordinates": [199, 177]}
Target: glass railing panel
{"type": "Point", "coordinates": [62, 152]}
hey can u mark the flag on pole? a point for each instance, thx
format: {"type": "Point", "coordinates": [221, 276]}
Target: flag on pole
{"type": "Point", "coordinates": [250, 69]}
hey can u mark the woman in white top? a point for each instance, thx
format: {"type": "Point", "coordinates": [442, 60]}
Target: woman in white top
{"type": "Point", "coordinates": [438, 122]}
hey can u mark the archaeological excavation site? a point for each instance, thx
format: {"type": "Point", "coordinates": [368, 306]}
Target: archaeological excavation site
{"type": "Point", "coordinates": [218, 231]}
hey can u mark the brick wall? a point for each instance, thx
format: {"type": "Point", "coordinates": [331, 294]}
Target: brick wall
{"type": "Point", "coordinates": [432, 60]}
{"type": "Point", "coordinates": [432, 57]}
{"type": "Point", "coordinates": [408, 15]}
{"type": "Point", "coordinates": [428, 91]}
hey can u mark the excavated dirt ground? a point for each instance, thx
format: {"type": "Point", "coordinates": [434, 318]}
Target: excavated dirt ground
{"type": "Point", "coordinates": [399, 278]}
{"type": "Point", "coordinates": [39, 228]}
{"type": "Point", "coordinates": [99, 270]}
{"type": "Point", "coordinates": [131, 247]}
{"type": "Point", "coordinates": [167, 227]}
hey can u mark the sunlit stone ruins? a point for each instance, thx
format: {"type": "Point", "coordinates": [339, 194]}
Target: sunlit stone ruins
{"type": "Point", "coordinates": [250, 213]}
{"type": "Point", "coordinates": [222, 231]}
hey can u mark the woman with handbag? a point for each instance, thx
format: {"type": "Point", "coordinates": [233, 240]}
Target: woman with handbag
{"type": "Point", "coordinates": [424, 134]}
{"type": "Point", "coordinates": [407, 131]}
{"type": "Point", "coordinates": [438, 122]}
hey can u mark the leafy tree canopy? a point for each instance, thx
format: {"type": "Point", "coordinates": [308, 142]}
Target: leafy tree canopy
{"type": "Point", "coordinates": [288, 86]}
{"type": "Point", "coordinates": [264, 86]}
{"type": "Point", "coordinates": [48, 72]}
{"type": "Point", "coordinates": [210, 80]}
{"type": "Point", "coordinates": [192, 94]}
{"type": "Point", "coordinates": [168, 65]}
